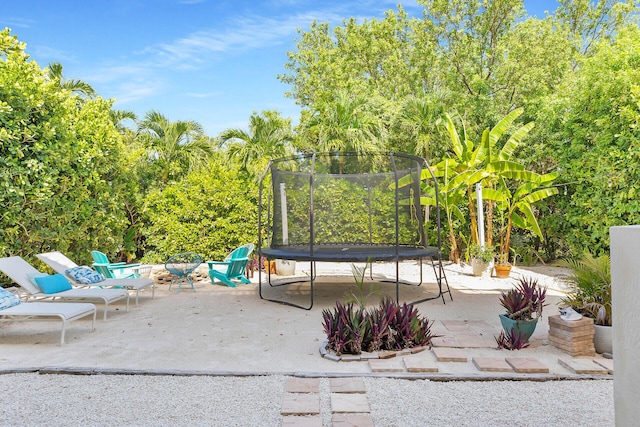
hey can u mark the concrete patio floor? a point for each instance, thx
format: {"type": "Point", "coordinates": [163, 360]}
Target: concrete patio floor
{"type": "Point", "coordinates": [217, 329]}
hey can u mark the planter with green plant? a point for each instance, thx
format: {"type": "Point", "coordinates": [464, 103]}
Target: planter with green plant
{"type": "Point", "coordinates": [515, 194]}
{"type": "Point", "coordinates": [590, 294]}
{"type": "Point", "coordinates": [481, 258]}
{"type": "Point", "coordinates": [523, 305]}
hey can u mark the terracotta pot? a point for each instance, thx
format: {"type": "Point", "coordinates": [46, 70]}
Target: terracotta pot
{"type": "Point", "coordinates": [502, 270]}
{"type": "Point", "coordinates": [270, 267]}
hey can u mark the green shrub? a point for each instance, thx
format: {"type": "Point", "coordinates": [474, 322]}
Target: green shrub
{"type": "Point", "coordinates": [59, 164]}
{"type": "Point", "coordinates": [211, 211]}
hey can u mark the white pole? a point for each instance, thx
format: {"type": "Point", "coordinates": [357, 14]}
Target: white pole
{"type": "Point", "coordinates": [480, 215]}
{"type": "Point", "coordinates": [283, 211]}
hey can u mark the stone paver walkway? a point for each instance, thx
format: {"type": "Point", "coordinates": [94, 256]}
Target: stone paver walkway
{"type": "Point", "coordinates": [348, 403]}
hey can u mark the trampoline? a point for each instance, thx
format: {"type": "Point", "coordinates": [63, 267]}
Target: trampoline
{"type": "Point", "coordinates": [348, 207]}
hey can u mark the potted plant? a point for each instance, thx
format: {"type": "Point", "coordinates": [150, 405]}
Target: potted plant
{"type": "Point", "coordinates": [523, 305]}
{"type": "Point", "coordinates": [515, 206]}
{"type": "Point", "coordinates": [590, 295]}
{"type": "Point", "coordinates": [481, 258]}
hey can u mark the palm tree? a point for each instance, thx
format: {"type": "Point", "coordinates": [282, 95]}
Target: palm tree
{"type": "Point", "coordinates": [269, 137]}
{"type": "Point", "coordinates": [175, 147]}
{"type": "Point", "coordinates": [343, 124]}
{"type": "Point", "coordinates": [421, 116]}
{"type": "Point", "coordinates": [77, 87]}
{"type": "Point", "coordinates": [118, 116]}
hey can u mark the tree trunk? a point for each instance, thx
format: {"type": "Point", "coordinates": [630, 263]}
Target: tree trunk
{"type": "Point", "coordinates": [489, 221]}
{"type": "Point", "coordinates": [473, 217]}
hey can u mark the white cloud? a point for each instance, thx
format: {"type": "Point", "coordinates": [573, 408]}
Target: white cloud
{"type": "Point", "coordinates": [240, 35]}
{"type": "Point", "coordinates": [16, 23]}
{"type": "Point", "coordinates": [130, 92]}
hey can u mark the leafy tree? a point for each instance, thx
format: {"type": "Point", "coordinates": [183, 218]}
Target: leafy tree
{"type": "Point", "coordinates": [481, 59]}
{"type": "Point", "coordinates": [364, 58]}
{"type": "Point", "coordinates": [516, 204]}
{"type": "Point", "coordinates": [60, 164]}
{"type": "Point", "coordinates": [418, 119]}
{"type": "Point", "coordinates": [341, 124]}
{"type": "Point", "coordinates": [119, 116]}
{"type": "Point", "coordinates": [589, 22]}
{"type": "Point", "coordinates": [596, 142]}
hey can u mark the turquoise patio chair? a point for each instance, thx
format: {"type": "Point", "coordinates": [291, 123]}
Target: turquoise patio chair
{"type": "Point", "coordinates": [233, 267]}
{"type": "Point", "coordinates": [112, 270]}
{"type": "Point", "coordinates": [181, 266]}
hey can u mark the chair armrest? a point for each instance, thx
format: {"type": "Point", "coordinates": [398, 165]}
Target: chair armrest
{"type": "Point", "coordinates": [121, 265]}
{"type": "Point", "coordinates": [217, 263]}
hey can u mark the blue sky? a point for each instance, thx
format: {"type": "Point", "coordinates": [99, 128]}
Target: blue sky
{"type": "Point", "coordinates": [213, 61]}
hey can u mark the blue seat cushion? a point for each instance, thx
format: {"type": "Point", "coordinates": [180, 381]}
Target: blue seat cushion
{"type": "Point", "coordinates": [53, 284]}
{"type": "Point", "coordinates": [8, 299]}
{"type": "Point", "coordinates": [84, 275]}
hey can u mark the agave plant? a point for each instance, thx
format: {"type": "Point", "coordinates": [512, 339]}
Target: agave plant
{"type": "Point", "coordinates": [525, 300]}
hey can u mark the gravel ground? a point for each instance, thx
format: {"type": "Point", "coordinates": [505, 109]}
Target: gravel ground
{"type": "Point", "coordinates": [142, 400]}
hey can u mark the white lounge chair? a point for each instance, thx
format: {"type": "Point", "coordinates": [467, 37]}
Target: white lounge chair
{"type": "Point", "coordinates": [19, 271]}
{"type": "Point", "coordinates": [65, 311]}
{"type": "Point", "coordinates": [61, 263]}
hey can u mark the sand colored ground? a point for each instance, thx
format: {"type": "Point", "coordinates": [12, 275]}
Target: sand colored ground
{"type": "Point", "coordinates": [220, 329]}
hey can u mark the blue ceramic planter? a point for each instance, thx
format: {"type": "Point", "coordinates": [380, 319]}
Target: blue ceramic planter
{"type": "Point", "coordinates": [525, 329]}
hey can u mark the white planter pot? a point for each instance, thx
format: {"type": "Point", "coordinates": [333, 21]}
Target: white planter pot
{"type": "Point", "coordinates": [602, 339]}
{"type": "Point", "coordinates": [285, 267]}
{"type": "Point", "coordinates": [479, 267]}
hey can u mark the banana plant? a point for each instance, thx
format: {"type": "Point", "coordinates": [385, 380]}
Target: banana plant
{"type": "Point", "coordinates": [499, 161]}
{"type": "Point", "coordinates": [450, 198]}
{"type": "Point", "coordinates": [469, 165]}
{"type": "Point", "coordinates": [484, 162]}
{"type": "Point", "coordinates": [516, 206]}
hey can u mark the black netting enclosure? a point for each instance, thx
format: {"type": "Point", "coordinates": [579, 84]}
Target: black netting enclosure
{"type": "Point", "coordinates": [348, 207]}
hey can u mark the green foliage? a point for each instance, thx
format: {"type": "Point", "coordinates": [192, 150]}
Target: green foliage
{"type": "Point", "coordinates": [590, 287]}
{"type": "Point", "coordinates": [269, 137]}
{"type": "Point", "coordinates": [74, 179]}
{"type": "Point", "coordinates": [173, 148]}
{"type": "Point", "coordinates": [482, 59]}
{"type": "Point", "coordinates": [597, 144]}
{"type": "Point", "coordinates": [485, 253]}
{"type": "Point", "coordinates": [345, 123]}
{"type": "Point", "coordinates": [359, 296]}
{"type": "Point", "coordinates": [211, 211]}
{"type": "Point", "coordinates": [60, 164]}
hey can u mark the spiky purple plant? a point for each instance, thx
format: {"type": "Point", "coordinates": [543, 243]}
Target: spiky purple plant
{"type": "Point", "coordinates": [525, 300]}
{"type": "Point", "coordinates": [513, 340]}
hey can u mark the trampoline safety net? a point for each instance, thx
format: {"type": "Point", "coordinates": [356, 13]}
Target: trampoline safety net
{"type": "Point", "coordinates": [346, 199]}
